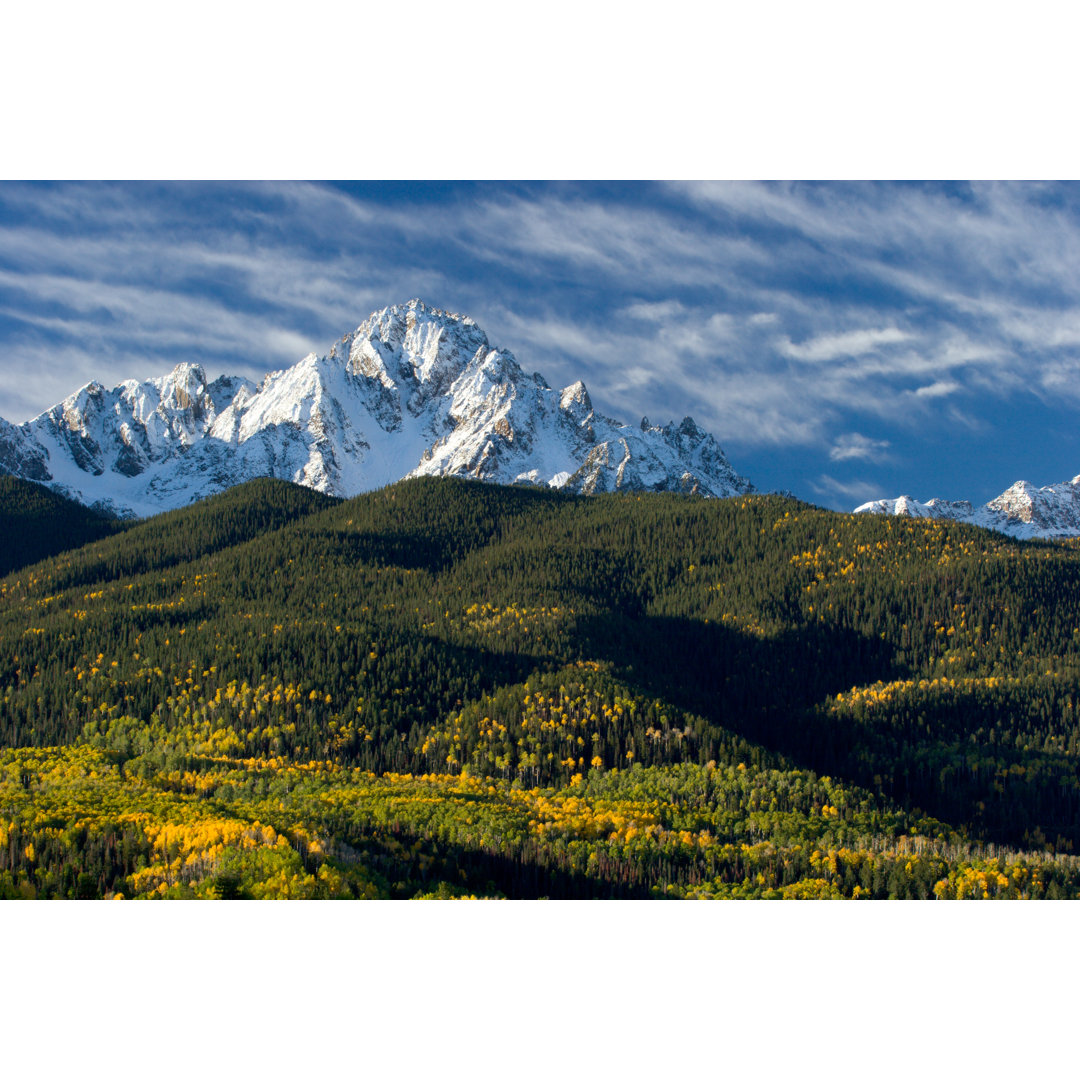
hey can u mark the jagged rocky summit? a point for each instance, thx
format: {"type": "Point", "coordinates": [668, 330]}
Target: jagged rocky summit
{"type": "Point", "coordinates": [413, 391]}
{"type": "Point", "coordinates": [1024, 510]}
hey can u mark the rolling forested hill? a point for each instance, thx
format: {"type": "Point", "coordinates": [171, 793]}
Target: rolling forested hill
{"type": "Point", "coordinates": [36, 522]}
{"type": "Point", "coordinates": [447, 688]}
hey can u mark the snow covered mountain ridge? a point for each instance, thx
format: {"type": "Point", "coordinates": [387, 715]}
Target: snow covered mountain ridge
{"type": "Point", "coordinates": [413, 391]}
{"type": "Point", "coordinates": [1024, 510]}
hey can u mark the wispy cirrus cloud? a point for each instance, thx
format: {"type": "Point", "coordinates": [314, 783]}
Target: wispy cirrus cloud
{"type": "Point", "coordinates": [779, 315]}
{"type": "Point", "coordinates": [843, 493]}
{"type": "Point", "coordinates": [856, 447]}
{"type": "Point", "coordinates": [941, 388]}
{"type": "Point", "coordinates": [852, 343]}
{"type": "Point", "coordinates": [630, 245]}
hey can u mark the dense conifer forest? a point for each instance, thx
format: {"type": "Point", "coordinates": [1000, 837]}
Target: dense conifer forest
{"type": "Point", "coordinates": [446, 688]}
{"type": "Point", "coordinates": [36, 522]}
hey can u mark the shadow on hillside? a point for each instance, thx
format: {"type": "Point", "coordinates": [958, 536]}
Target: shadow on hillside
{"type": "Point", "coordinates": [407, 551]}
{"type": "Point", "coordinates": [761, 688]}
{"type": "Point", "coordinates": [767, 690]}
{"type": "Point", "coordinates": [411, 863]}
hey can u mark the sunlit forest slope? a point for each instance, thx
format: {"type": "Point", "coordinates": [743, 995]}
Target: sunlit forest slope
{"type": "Point", "coordinates": [447, 688]}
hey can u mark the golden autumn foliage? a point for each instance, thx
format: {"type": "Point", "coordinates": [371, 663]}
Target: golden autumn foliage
{"type": "Point", "coordinates": [446, 690]}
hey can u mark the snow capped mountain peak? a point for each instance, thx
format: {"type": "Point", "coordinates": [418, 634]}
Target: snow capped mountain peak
{"type": "Point", "coordinates": [184, 375]}
{"type": "Point", "coordinates": [575, 398]}
{"type": "Point", "coordinates": [184, 388]}
{"type": "Point", "coordinates": [1022, 510]}
{"type": "Point", "coordinates": [420, 343]}
{"type": "Point", "coordinates": [413, 390]}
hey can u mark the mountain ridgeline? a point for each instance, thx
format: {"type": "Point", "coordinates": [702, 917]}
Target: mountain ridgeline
{"type": "Point", "coordinates": [447, 687]}
{"type": "Point", "coordinates": [1022, 510]}
{"type": "Point", "coordinates": [412, 391]}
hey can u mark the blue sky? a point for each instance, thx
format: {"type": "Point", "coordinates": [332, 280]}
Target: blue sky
{"type": "Point", "coordinates": [844, 341]}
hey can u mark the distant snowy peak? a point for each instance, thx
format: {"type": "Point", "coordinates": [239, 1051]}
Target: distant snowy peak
{"type": "Point", "coordinates": [412, 391]}
{"type": "Point", "coordinates": [1023, 510]}
{"type": "Point", "coordinates": [906, 506]}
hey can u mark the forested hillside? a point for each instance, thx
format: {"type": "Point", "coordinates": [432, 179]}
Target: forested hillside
{"type": "Point", "coordinates": [451, 688]}
{"type": "Point", "coordinates": [36, 522]}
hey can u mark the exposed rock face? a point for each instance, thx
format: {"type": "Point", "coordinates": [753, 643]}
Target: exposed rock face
{"type": "Point", "coordinates": [412, 391]}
